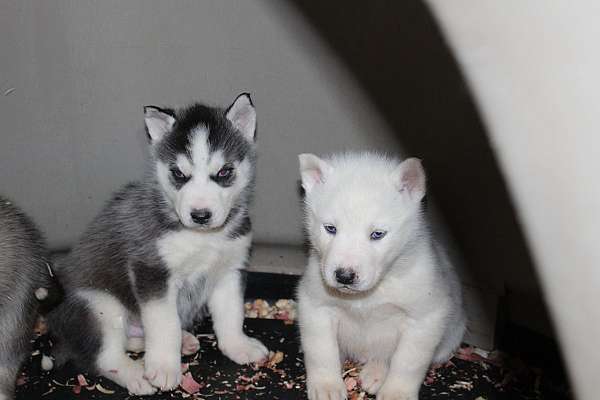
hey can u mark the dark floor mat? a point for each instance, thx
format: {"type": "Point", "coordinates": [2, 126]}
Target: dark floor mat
{"type": "Point", "coordinates": [222, 379]}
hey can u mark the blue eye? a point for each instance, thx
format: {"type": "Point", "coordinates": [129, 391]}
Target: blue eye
{"type": "Point", "coordinates": [377, 235]}
{"type": "Point", "coordinates": [332, 230]}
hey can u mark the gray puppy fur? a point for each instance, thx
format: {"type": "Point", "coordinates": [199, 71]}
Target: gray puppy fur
{"type": "Point", "coordinates": [24, 268]}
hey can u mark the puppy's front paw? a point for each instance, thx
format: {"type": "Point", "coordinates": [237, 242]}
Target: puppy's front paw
{"type": "Point", "coordinates": [163, 370]}
{"type": "Point", "coordinates": [326, 388]}
{"type": "Point", "coordinates": [244, 350]}
{"type": "Point", "coordinates": [130, 374]}
{"type": "Point", "coordinates": [138, 385]}
{"type": "Point", "coordinates": [372, 376]}
{"type": "Point", "coordinates": [397, 391]}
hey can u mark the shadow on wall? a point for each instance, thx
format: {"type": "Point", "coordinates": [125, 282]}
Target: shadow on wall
{"type": "Point", "coordinates": [398, 56]}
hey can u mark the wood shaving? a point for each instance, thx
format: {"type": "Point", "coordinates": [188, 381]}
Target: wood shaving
{"type": "Point", "coordinates": [47, 363]}
{"type": "Point", "coordinates": [81, 380]}
{"type": "Point", "coordinates": [189, 384]}
{"type": "Point", "coordinates": [463, 385]}
{"type": "Point", "coordinates": [351, 383]}
{"type": "Point", "coordinates": [104, 390]}
{"type": "Point", "coordinates": [283, 309]}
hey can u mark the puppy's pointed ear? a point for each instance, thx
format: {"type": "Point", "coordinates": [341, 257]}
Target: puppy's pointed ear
{"type": "Point", "coordinates": [158, 122]}
{"type": "Point", "coordinates": [243, 116]}
{"type": "Point", "coordinates": [313, 171]}
{"type": "Point", "coordinates": [409, 178]}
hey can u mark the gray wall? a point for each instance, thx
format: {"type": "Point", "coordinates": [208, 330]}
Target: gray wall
{"type": "Point", "coordinates": [82, 70]}
{"type": "Point", "coordinates": [323, 77]}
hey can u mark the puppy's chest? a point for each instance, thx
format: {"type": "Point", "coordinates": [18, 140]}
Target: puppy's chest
{"type": "Point", "coordinates": [189, 254]}
{"type": "Point", "coordinates": [370, 331]}
{"type": "Point", "coordinates": [375, 315]}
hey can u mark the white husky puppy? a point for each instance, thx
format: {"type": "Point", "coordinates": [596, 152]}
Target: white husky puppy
{"type": "Point", "coordinates": [377, 288]}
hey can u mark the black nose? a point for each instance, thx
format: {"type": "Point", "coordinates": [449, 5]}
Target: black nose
{"type": "Point", "coordinates": [345, 276]}
{"type": "Point", "coordinates": [201, 216]}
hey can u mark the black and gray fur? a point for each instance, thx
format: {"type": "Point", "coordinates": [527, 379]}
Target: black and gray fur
{"type": "Point", "coordinates": [118, 252]}
{"type": "Point", "coordinates": [24, 268]}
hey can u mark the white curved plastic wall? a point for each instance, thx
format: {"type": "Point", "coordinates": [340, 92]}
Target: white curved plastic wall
{"type": "Point", "coordinates": [534, 68]}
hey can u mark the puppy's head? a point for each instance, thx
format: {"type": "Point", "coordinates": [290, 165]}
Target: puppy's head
{"type": "Point", "coordinates": [204, 159]}
{"type": "Point", "coordinates": [361, 210]}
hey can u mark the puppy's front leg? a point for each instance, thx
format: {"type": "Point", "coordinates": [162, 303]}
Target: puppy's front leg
{"type": "Point", "coordinates": [162, 330]}
{"type": "Point", "coordinates": [318, 333]}
{"type": "Point", "coordinates": [411, 360]}
{"type": "Point", "coordinates": [226, 307]}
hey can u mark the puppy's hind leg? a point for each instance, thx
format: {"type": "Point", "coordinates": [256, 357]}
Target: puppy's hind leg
{"type": "Point", "coordinates": [112, 361]}
{"type": "Point", "coordinates": [114, 364]}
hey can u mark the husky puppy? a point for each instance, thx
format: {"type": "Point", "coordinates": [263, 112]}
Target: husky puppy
{"type": "Point", "coordinates": [162, 249]}
{"type": "Point", "coordinates": [25, 285]}
{"type": "Point", "coordinates": [377, 289]}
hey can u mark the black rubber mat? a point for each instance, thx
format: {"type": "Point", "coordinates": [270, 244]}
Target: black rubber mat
{"type": "Point", "coordinates": [222, 379]}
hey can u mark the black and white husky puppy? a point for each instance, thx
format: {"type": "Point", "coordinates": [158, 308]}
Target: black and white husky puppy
{"type": "Point", "coordinates": [26, 284]}
{"type": "Point", "coordinates": [162, 249]}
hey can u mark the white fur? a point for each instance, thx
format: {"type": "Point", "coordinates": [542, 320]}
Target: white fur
{"type": "Point", "coordinates": [162, 334]}
{"type": "Point", "coordinates": [189, 252]}
{"type": "Point", "coordinates": [226, 306]}
{"type": "Point", "coordinates": [404, 310]}
{"type": "Point", "coordinates": [201, 191]}
{"type": "Point", "coordinates": [312, 171]}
